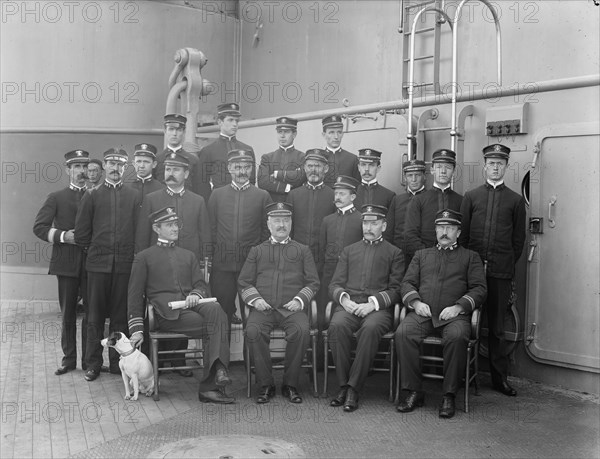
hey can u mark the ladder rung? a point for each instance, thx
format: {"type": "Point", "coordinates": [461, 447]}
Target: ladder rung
{"type": "Point", "coordinates": [432, 376]}
{"type": "Point", "coordinates": [418, 5]}
{"type": "Point", "coordinates": [426, 29]}
{"type": "Point", "coordinates": [420, 85]}
{"type": "Point", "coordinates": [440, 128]}
{"type": "Point", "coordinates": [420, 58]}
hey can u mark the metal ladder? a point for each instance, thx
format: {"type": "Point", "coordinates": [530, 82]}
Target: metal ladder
{"type": "Point", "coordinates": [457, 127]}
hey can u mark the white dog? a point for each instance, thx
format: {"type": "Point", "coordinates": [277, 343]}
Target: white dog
{"type": "Point", "coordinates": [136, 369]}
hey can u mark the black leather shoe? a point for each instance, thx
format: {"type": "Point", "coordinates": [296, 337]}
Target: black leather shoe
{"type": "Point", "coordinates": [215, 396]}
{"type": "Point", "coordinates": [340, 398]}
{"type": "Point", "coordinates": [447, 407]}
{"type": "Point", "coordinates": [115, 371]}
{"type": "Point", "coordinates": [104, 369]}
{"type": "Point", "coordinates": [291, 393]}
{"type": "Point", "coordinates": [351, 403]}
{"type": "Point", "coordinates": [185, 373]}
{"type": "Point", "coordinates": [266, 394]}
{"type": "Point", "coordinates": [222, 378]}
{"type": "Point", "coordinates": [413, 400]}
{"type": "Point", "coordinates": [505, 388]}
{"type": "Point", "coordinates": [64, 369]}
{"type": "Point", "coordinates": [91, 375]}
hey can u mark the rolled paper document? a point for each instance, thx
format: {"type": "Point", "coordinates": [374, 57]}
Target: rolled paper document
{"type": "Point", "coordinates": [181, 304]}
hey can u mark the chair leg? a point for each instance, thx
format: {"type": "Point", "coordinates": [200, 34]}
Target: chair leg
{"type": "Point", "coordinates": [325, 363]}
{"type": "Point", "coordinates": [314, 367]}
{"type": "Point", "coordinates": [476, 365]}
{"type": "Point", "coordinates": [468, 379]}
{"type": "Point", "coordinates": [154, 353]}
{"type": "Point", "coordinates": [392, 363]}
{"type": "Point", "coordinates": [397, 399]}
{"type": "Point", "coordinates": [248, 371]}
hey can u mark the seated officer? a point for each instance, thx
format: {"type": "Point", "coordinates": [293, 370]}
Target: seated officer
{"type": "Point", "coordinates": [365, 286]}
{"type": "Point", "coordinates": [441, 288]}
{"type": "Point", "coordinates": [278, 281]}
{"type": "Point", "coordinates": [164, 273]}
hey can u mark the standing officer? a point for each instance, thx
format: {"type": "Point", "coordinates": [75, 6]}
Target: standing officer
{"type": "Point", "coordinates": [164, 273]}
{"type": "Point", "coordinates": [105, 227]}
{"type": "Point", "coordinates": [174, 127]}
{"type": "Point", "coordinates": [238, 223]}
{"type": "Point", "coordinates": [370, 191]}
{"type": "Point", "coordinates": [414, 173]}
{"type": "Point", "coordinates": [494, 226]}
{"type": "Point", "coordinates": [419, 229]}
{"type": "Point", "coordinates": [338, 230]}
{"type": "Point", "coordinates": [312, 202]}
{"type": "Point", "coordinates": [442, 287]}
{"type": "Point", "coordinates": [191, 210]}
{"type": "Point", "coordinates": [144, 162]}
{"type": "Point", "coordinates": [340, 161]}
{"type": "Point", "coordinates": [213, 158]}
{"type": "Point", "coordinates": [365, 287]}
{"type": "Point", "coordinates": [278, 281]}
{"type": "Point", "coordinates": [54, 223]}
{"type": "Point", "coordinates": [94, 174]}
{"type": "Point", "coordinates": [281, 170]}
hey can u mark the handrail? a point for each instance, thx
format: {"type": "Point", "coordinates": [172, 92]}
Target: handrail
{"type": "Point", "coordinates": [411, 72]}
{"type": "Point", "coordinates": [453, 131]}
{"type": "Point", "coordinates": [534, 87]}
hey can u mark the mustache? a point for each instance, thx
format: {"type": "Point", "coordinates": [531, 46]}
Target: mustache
{"type": "Point", "coordinates": [444, 237]}
{"type": "Point", "coordinates": [170, 178]}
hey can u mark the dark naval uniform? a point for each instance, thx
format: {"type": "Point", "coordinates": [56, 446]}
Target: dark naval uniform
{"type": "Point", "coordinates": [191, 209]}
{"type": "Point", "coordinates": [286, 164]}
{"type": "Point", "coordinates": [338, 230]}
{"type": "Point", "coordinates": [366, 269]}
{"type": "Point", "coordinates": [439, 278]}
{"type": "Point", "coordinates": [494, 221]}
{"type": "Point", "coordinates": [397, 218]}
{"type": "Point", "coordinates": [57, 216]}
{"type": "Point", "coordinates": [373, 193]}
{"type": "Point", "coordinates": [419, 229]}
{"type": "Point", "coordinates": [105, 226]}
{"type": "Point", "coordinates": [341, 162]}
{"type": "Point", "coordinates": [164, 273]}
{"type": "Point", "coordinates": [238, 223]}
{"type": "Point", "coordinates": [146, 186]}
{"type": "Point", "coordinates": [278, 273]}
{"type": "Point", "coordinates": [311, 205]}
{"type": "Point", "coordinates": [213, 165]}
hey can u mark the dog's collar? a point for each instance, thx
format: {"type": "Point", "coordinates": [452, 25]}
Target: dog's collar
{"type": "Point", "coordinates": [133, 349]}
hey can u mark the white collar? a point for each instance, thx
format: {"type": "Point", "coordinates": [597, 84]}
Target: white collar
{"type": "Point", "coordinates": [440, 188]}
{"type": "Point", "coordinates": [414, 193]}
{"type": "Point", "coordinates": [495, 184]}
{"type": "Point", "coordinates": [346, 209]}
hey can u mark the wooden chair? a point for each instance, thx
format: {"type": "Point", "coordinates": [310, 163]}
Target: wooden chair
{"type": "Point", "coordinates": [277, 346]}
{"type": "Point", "coordinates": [167, 356]}
{"type": "Point", "coordinates": [385, 360]}
{"type": "Point", "coordinates": [432, 362]}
